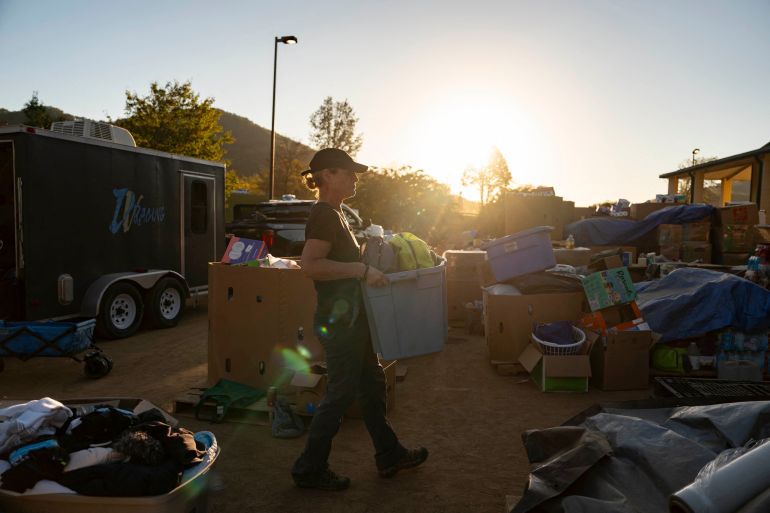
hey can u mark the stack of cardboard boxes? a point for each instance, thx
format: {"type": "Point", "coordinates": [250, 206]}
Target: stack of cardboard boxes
{"type": "Point", "coordinates": [508, 314]}
{"type": "Point", "coordinates": [620, 356]}
{"type": "Point", "coordinates": [696, 242]}
{"type": "Point", "coordinates": [734, 235]}
{"type": "Point", "coordinates": [523, 212]}
{"type": "Point", "coordinates": [665, 240]}
{"type": "Point", "coordinates": [462, 282]}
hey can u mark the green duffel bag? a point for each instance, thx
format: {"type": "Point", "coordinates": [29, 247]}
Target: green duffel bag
{"type": "Point", "coordinates": [669, 359]}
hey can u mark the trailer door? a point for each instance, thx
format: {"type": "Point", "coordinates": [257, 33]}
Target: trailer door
{"type": "Point", "coordinates": [10, 285]}
{"type": "Point", "coordinates": [198, 227]}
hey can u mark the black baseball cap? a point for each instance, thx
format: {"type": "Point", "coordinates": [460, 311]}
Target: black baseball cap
{"type": "Point", "coordinates": [333, 158]}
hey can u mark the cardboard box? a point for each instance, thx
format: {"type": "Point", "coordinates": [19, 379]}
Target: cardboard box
{"type": "Point", "coordinates": [485, 275]}
{"type": "Point", "coordinates": [667, 234]}
{"type": "Point", "coordinates": [733, 259]}
{"type": "Point", "coordinates": [734, 238]}
{"type": "Point", "coordinates": [696, 232]}
{"type": "Point", "coordinates": [306, 390]}
{"type": "Point", "coordinates": [525, 212]}
{"type": "Point", "coordinates": [738, 214]}
{"type": "Point", "coordinates": [671, 251]}
{"type": "Point", "coordinates": [552, 373]}
{"type": "Point", "coordinates": [641, 210]}
{"type": "Point", "coordinates": [621, 361]}
{"type": "Point", "coordinates": [625, 249]}
{"type": "Point", "coordinates": [762, 234]}
{"type": "Point", "coordinates": [257, 317]}
{"type": "Point", "coordinates": [609, 288]}
{"type": "Point", "coordinates": [389, 366]}
{"type": "Point", "coordinates": [606, 263]}
{"type": "Point", "coordinates": [508, 319]}
{"type": "Point", "coordinates": [576, 257]}
{"type": "Point", "coordinates": [462, 282]}
{"type": "Point", "coordinates": [459, 293]}
{"type": "Point", "coordinates": [692, 251]}
{"type": "Point", "coordinates": [460, 263]}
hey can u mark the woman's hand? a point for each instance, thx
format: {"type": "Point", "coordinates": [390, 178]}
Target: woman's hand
{"type": "Point", "coordinates": [376, 278]}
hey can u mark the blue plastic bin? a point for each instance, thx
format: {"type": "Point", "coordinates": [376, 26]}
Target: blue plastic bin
{"type": "Point", "coordinates": [27, 339]}
{"type": "Point", "coordinates": [408, 316]}
{"type": "Point", "coordinates": [521, 253]}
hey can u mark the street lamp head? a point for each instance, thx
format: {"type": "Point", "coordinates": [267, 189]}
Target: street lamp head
{"type": "Point", "coordinates": [287, 40]}
{"type": "Point", "coordinates": [696, 151]}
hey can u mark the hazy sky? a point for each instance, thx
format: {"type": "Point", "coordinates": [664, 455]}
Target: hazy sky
{"type": "Point", "coordinates": [596, 98]}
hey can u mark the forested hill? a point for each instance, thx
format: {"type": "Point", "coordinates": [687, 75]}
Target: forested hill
{"type": "Point", "coordinates": [249, 154]}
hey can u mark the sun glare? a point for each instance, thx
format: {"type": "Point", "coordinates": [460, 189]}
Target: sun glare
{"type": "Point", "coordinates": [459, 131]}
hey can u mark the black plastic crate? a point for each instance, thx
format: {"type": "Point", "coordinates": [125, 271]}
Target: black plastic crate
{"type": "Point", "coordinates": [688, 388]}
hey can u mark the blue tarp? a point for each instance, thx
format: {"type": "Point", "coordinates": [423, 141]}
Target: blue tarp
{"type": "Point", "coordinates": [603, 231]}
{"type": "Point", "coordinates": [690, 302]}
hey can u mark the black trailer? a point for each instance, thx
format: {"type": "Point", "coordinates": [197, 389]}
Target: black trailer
{"type": "Point", "coordinates": [92, 228]}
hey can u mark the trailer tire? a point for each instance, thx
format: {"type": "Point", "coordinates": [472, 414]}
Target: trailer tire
{"type": "Point", "coordinates": [120, 312]}
{"type": "Point", "coordinates": [166, 303]}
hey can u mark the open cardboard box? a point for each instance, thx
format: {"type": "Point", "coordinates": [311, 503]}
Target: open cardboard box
{"type": "Point", "coordinates": [557, 373]}
{"type": "Point", "coordinates": [508, 319]}
{"type": "Point", "coordinates": [306, 390]}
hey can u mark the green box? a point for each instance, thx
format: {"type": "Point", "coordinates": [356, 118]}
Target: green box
{"type": "Point", "coordinates": [609, 288]}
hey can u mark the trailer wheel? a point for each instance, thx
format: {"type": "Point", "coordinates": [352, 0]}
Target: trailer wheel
{"type": "Point", "coordinates": [165, 303]}
{"type": "Point", "coordinates": [120, 312]}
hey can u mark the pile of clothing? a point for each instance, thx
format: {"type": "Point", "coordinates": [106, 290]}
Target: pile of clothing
{"type": "Point", "coordinates": [98, 450]}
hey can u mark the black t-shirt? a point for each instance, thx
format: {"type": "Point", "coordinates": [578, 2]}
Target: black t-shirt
{"type": "Point", "coordinates": [340, 300]}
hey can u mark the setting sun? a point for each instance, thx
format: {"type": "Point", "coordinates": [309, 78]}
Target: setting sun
{"type": "Point", "coordinates": [459, 130]}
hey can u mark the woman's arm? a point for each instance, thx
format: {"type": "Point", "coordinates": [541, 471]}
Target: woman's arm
{"type": "Point", "coordinates": [317, 267]}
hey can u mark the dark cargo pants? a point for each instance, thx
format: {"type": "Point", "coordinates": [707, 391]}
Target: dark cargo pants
{"type": "Point", "coordinates": [352, 372]}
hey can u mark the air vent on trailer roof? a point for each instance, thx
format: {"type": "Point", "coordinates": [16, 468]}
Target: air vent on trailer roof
{"type": "Point", "coordinates": [94, 130]}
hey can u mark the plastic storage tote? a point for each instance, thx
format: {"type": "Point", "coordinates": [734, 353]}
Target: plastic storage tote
{"type": "Point", "coordinates": [191, 496]}
{"type": "Point", "coordinates": [521, 253]}
{"type": "Point", "coordinates": [408, 316]}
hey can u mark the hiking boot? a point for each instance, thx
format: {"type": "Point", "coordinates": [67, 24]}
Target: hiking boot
{"type": "Point", "coordinates": [410, 459]}
{"type": "Point", "coordinates": [323, 480]}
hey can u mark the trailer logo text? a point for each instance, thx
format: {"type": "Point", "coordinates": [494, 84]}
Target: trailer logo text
{"type": "Point", "coordinates": [129, 211]}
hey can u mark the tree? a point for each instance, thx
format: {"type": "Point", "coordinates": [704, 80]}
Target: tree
{"type": "Point", "coordinates": [334, 126]}
{"type": "Point", "coordinates": [407, 200]}
{"type": "Point", "coordinates": [37, 113]}
{"type": "Point", "coordinates": [174, 119]}
{"type": "Point", "coordinates": [491, 179]}
{"type": "Point", "coordinates": [290, 159]}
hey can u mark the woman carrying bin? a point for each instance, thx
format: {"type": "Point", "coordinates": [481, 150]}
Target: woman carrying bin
{"type": "Point", "coordinates": [331, 257]}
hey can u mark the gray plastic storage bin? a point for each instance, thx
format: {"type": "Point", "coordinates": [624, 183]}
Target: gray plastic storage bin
{"type": "Point", "coordinates": [521, 253]}
{"type": "Point", "coordinates": [408, 316]}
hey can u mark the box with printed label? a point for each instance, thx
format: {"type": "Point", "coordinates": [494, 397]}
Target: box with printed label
{"type": "Point", "coordinates": [608, 288]}
{"type": "Point", "coordinates": [739, 214]}
{"type": "Point", "coordinates": [696, 232]}
{"type": "Point", "coordinates": [735, 238]}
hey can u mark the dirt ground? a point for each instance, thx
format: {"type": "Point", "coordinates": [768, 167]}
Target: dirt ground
{"type": "Point", "coordinates": [470, 418]}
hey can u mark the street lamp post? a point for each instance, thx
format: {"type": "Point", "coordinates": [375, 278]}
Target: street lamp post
{"type": "Point", "coordinates": [287, 40]}
{"type": "Point", "coordinates": [694, 152]}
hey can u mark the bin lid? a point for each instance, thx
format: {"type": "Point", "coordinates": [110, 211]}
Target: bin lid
{"type": "Point", "coordinates": [518, 235]}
